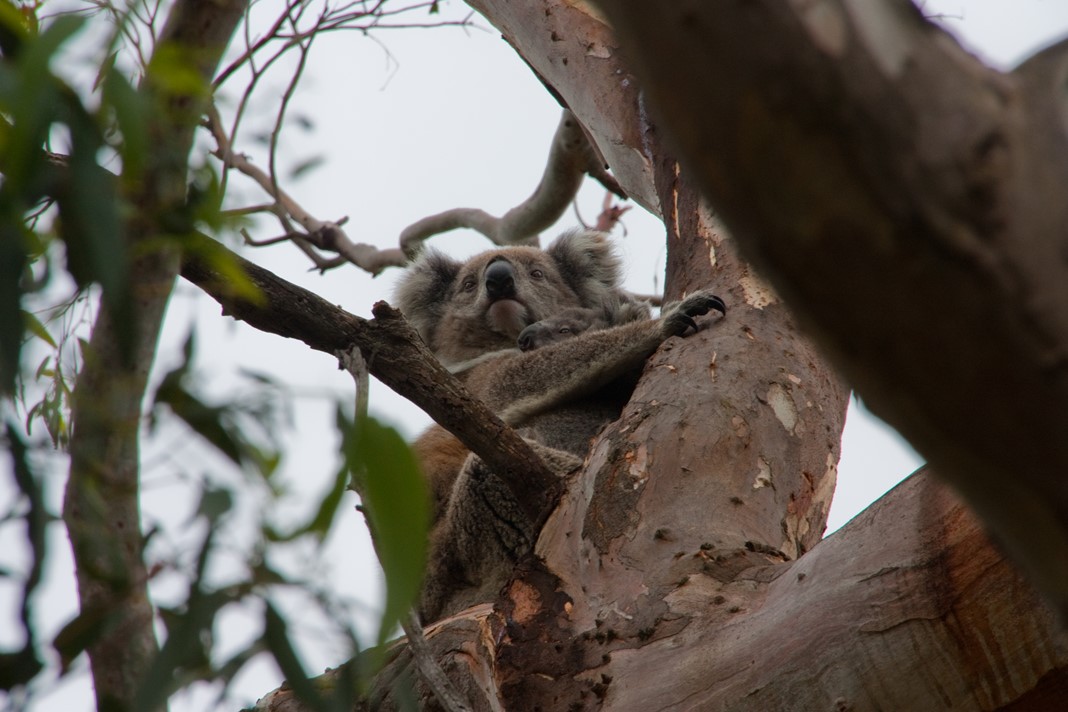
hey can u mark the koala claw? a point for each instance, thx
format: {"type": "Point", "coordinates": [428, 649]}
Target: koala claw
{"type": "Point", "coordinates": [680, 318]}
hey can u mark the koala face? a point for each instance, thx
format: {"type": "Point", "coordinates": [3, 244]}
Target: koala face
{"type": "Point", "coordinates": [465, 310]}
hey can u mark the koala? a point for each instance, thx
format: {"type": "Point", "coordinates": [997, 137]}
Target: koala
{"type": "Point", "coordinates": [559, 394]}
{"type": "Point", "coordinates": [572, 322]}
{"type": "Point", "coordinates": [442, 455]}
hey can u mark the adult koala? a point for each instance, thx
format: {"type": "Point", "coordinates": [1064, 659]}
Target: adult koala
{"type": "Point", "coordinates": [560, 395]}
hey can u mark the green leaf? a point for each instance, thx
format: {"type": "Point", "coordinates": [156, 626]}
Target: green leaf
{"type": "Point", "coordinates": [323, 519]}
{"type": "Point", "coordinates": [395, 495]}
{"type": "Point", "coordinates": [16, 27]}
{"type": "Point", "coordinates": [91, 225]}
{"type": "Point", "coordinates": [42, 48]}
{"type": "Point", "coordinates": [205, 420]}
{"type": "Point", "coordinates": [306, 166]}
{"type": "Point", "coordinates": [34, 102]}
{"type": "Point", "coordinates": [12, 264]}
{"type": "Point", "coordinates": [174, 71]}
{"type": "Point", "coordinates": [20, 667]}
{"type": "Point", "coordinates": [37, 328]}
{"type": "Point", "coordinates": [188, 645]}
{"type": "Point", "coordinates": [214, 503]}
{"type": "Point", "coordinates": [233, 279]}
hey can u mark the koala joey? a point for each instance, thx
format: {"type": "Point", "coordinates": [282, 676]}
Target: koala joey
{"type": "Point", "coordinates": [559, 394]}
{"type": "Point", "coordinates": [572, 322]}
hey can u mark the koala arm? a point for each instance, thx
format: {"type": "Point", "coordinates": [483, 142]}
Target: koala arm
{"type": "Point", "coordinates": [520, 385]}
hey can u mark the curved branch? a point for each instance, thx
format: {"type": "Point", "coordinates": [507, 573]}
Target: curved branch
{"type": "Point", "coordinates": [571, 157]}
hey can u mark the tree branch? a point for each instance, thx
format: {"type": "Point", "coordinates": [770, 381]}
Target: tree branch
{"type": "Point", "coordinates": [325, 235]}
{"type": "Point", "coordinates": [445, 692]}
{"type": "Point", "coordinates": [912, 211]}
{"type": "Point", "coordinates": [927, 211]}
{"type": "Point", "coordinates": [395, 355]}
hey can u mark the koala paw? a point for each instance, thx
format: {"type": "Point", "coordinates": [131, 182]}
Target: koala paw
{"type": "Point", "coordinates": [678, 317]}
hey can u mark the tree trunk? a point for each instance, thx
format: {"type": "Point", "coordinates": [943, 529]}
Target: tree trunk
{"type": "Point", "coordinates": [908, 203]}
{"type": "Point", "coordinates": [101, 507]}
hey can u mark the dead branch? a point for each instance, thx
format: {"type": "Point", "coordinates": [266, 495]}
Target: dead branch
{"type": "Point", "coordinates": [571, 157]}
{"type": "Point", "coordinates": [295, 29]}
{"type": "Point", "coordinates": [610, 214]}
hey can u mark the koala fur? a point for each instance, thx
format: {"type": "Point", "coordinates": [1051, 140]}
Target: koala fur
{"type": "Point", "coordinates": [559, 395]}
{"type": "Point", "coordinates": [442, 455]}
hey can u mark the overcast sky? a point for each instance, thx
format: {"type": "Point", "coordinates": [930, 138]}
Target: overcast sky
{"type": "Point", "coordinates": [448, 118]}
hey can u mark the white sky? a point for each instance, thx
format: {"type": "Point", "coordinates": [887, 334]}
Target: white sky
{"type": "Point", "coordinates": [453, 119]}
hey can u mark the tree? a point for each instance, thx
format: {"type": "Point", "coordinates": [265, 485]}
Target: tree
{"type": "Point", "coordinates": [564, 634]}
{"type": "Point", "coordinates": [659, 559]}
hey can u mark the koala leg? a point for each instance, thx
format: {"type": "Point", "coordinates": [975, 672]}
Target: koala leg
{"type": "Point", "coordinates": [483, 533]}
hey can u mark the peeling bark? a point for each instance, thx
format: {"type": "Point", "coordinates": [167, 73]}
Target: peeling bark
{"type": "Point", "coordinates": [935, 618]}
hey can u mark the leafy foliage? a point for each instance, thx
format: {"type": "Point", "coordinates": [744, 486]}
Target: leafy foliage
{"type": "Point", "coordinates": [219, 425]}
{"type": "Point", "coordinates": [34, 102]}
{"type": "Point", "coordinates": [19, 667]}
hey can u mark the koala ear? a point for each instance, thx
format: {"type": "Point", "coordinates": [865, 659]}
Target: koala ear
{"type": "Point", "coordinates": [421, 294]}
{"type": "Point", "coordinates": [588, 263]}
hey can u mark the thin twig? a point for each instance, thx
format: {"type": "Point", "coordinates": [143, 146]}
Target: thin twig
{"type": "Point", "coordinates": [447, 695]}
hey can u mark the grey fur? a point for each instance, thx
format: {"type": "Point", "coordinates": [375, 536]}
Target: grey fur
{"type": "Point", "coordinates": [578, 270]}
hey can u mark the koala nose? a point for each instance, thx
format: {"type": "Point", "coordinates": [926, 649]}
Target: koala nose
{"type": "Point", "coordinates": [500, 280]}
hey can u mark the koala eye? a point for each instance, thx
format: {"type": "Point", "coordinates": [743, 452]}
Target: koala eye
{"type": "Point", "coordinates": [565, 330]}
{"type": "Point", "coordinates": [468, 284]}
{"type": "Point", "coordinates": [537, 273]}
